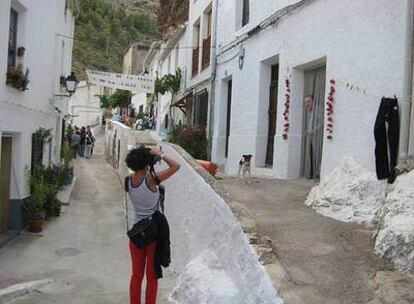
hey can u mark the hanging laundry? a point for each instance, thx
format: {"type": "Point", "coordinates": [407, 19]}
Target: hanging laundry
{"type": "Point", "coordinates": [387, 135]}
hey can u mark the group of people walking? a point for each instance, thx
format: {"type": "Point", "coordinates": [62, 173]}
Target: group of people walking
{"type": "Point", "coordinates": [82, 142]}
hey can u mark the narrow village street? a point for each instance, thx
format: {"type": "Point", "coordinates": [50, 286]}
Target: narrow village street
{"type": "Point", "coordinates": [314, 259]}
{"type": "Point", "coordinates": [84, 251]}
{"type": "Point", "coordinates": [268, 156]}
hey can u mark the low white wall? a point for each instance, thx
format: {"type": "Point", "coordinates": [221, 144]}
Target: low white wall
{"type": "Point", "coordinates": [201, 222]}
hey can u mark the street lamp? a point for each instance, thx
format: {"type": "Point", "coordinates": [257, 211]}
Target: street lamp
{"type": "Point", "coordinates": [71, 83]}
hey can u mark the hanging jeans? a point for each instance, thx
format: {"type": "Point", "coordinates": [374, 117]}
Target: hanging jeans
{"type": "Point", "coordinates": [387, 135]}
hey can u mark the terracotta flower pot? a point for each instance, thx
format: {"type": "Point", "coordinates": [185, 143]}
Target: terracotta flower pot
{"type": "Point", "coordinates": [36, 225]}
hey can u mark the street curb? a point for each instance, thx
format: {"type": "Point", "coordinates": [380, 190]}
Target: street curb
{"type": "Point", "coordinates": [64, 195]}
{"type": "Point", "coordinates": [21, 289]}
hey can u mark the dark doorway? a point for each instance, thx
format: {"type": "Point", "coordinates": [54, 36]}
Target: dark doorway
{"type": "Point", "coordinates": [229, 95]}
{"type": "Point", "coordinates": [201, 109]}
{"type": "Point", "coordinates": [272, 114]}
{"type": "Point", "coordinates": [63, 134]}
{"type": "Point", "coordinates": [313, 123]}
{"type": "Point", "coordinates": [37, 152]}
{"type": "Point", "coordinates": [5, 169]}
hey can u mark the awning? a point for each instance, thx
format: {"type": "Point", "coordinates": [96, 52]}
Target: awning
{"type": "Point", "coordinates": [183, 101]}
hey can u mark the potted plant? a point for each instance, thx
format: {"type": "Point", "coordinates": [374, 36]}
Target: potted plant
{"type": "Point", "coordinates": [34, 205]}
{"type": "Point", "coordinates": [52, 179]}
{"type": "Point", "coordinates": [66, 155]}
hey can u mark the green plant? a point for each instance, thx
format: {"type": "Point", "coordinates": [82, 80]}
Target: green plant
{"type": "Point", "coordinates": [193, 140]}
{"type": "Point", "coordinates": [114, 27]}
{"type": "Point", "coordinates": [66, 153]}
{"type": "Point", "coordinates": [44, 185]}
{"type": "Point", "coordinates": [121, 98]}
{"type": "Point", "coordinates": [42, 134]}
{"type": "Point", "coordinates": [105, 101]}
{"type": "Point", "coordinates": [175, 133]}
{"type": "Point", "coordinates": [38, 192]}
{"type": "Point", "coordinates": [168, 83]}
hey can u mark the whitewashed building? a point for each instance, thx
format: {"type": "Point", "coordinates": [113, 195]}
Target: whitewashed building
{"type": "Point", "coordinates": [190, 49]}
{"type": "Point", "coordinates": [45, 30]}
{"type": "Point", "coordinates": [85, 107]}
{"type": "Point", "coordinates": [172, 57]}
{"type": "Point", "coordinates": [201, 38]}
{"type": "Point", "coordinates": [272, 54]}
{"type": "Point", "coordinates": [133, 58]}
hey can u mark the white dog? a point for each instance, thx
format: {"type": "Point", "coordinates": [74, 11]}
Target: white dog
{"type": "Point", "coordinates": [245, 166]}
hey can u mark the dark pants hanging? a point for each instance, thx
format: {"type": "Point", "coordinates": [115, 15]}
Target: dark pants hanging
{"type": "Point", "coordinates": [387, 135]}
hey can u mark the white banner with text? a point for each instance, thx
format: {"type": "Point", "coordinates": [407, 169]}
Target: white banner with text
{"type": "Point", "coordinates": [134, 83]}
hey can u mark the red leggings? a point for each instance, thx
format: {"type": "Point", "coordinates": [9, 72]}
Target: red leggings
{"type": "Point", "coordinates": [140, 257]}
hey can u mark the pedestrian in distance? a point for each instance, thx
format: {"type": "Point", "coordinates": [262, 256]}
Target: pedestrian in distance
{"type": "Point", "coordinates": [75, 139]}
{"type": "Point", "coordinates": [82, 143]}
{"type": "Point", "coordinates": [144, 193]}
{"type": "Point", "coordinates": [89, 141]}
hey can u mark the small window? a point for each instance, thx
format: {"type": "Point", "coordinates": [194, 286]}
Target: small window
{"type": "Point", "coordinates": [11, 59]}
{"type": "Point", "coordinates": [245, 12]}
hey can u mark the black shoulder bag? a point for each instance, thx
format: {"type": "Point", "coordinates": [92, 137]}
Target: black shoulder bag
{"type": "Point", "coordinates": [146, 230]}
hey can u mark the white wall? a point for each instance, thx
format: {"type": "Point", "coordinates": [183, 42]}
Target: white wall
{"type": "Point", "coordinates": [84, 105]}
{"type": "Point", "coordinates": [42, 27]}
{"type": "Point", "coordinates": [362, 42]}
{"type": "Point", "coordinates": [178, 60]}
{"type": "Point", "coordinates": [201, 221]}
{"type": "Point", "coordinates": [139, 99]}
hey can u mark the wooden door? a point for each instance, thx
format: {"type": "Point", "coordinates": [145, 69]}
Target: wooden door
{"type": "Point", "coordinates": [272, 112]}
{"type": "Point", "coordinates": [5, 169]}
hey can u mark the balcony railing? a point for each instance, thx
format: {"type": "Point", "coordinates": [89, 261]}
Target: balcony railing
{"type": "Point", "coordinates": [196, 53]}
{"type": "Point", "coordinates": [206, 52]}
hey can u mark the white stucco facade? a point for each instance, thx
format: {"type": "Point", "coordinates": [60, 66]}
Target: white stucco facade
{"type": "Point", "coordinates": [173, 56]}
{"type": "Point", "coordinates": [84, 105]}
{"type": "Point", "coordinates": [364, 46]}
{"type": "Point", "coordinates": [179, 50]}
{"type": "Point", "coordinates": [45, 29]}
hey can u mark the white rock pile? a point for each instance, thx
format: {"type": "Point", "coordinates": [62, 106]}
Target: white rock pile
{"type": "Point", "coordinates": [395, 238]}
{"type": "Point", "coordinates": [352, 193]}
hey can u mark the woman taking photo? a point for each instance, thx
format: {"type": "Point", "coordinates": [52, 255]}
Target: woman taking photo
{"type": "Point", "coordinates": [144, 196]}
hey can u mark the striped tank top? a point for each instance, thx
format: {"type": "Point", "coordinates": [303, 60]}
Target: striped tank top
{"type": "Point", "coordinates": [143, 199]}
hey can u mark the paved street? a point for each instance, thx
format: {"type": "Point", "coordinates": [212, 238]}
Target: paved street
{"type": "Point", "coordinates": [316, 259]}
{"type": "Point", "coordinates": [84, 251]}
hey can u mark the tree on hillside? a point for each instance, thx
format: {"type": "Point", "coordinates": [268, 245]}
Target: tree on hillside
{"type": "Point", "coordinates": [103, 32]}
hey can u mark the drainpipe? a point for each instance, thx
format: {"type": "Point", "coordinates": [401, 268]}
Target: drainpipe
{"type": "Point", "coordinates": [407, 133]}
{"type": "Point", "coordinates": [213, 80]}
{"type": "Point", "coordinates": [410, 135]}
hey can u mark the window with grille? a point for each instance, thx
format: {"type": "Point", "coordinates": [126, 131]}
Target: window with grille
{"type": "Point", "coordinates": [12, 51]}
